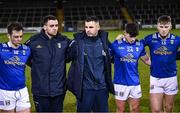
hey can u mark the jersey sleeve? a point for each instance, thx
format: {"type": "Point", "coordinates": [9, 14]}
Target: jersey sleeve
{"type": "Point", "coordinates": [146, 40]}
{"type": "Point", "coordinates": [143, 52]}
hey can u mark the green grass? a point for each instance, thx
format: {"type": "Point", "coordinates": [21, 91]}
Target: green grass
{"type": "Point", "coordinates": [70, 101]}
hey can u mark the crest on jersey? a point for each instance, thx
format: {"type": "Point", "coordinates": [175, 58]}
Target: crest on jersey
{"type": "Point", "coordinates": [128, 58]}
{"type": "Point", "coordinates": [137, 49]}
{"type": "Point", "coordinates": [24, 52]}
{"type": "Point", "coordinates": [172, 41]}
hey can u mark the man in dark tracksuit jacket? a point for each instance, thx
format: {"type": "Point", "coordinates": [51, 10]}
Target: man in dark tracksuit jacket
{"type": "Point", "coordinates": [48, 67]}
{"type": "Point", "coordinates": [89, 77]}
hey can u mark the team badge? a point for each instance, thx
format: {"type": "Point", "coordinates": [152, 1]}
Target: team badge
{"type": "Point", "coordinates": [172, 41]}
{"type": "Point", "coordinates": [24, 52]}
{"type": "Point", "coordinates": [103, 53]}
{"type": "Point", "coordinates": [137, 49]}
{"type": "Point", "coordinates": [59, 45]}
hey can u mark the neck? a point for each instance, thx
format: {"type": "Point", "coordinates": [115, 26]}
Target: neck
{"type": "Point", "coordinates": [164, 37]}
{"type": "Point", "coordinates": [12, 45]}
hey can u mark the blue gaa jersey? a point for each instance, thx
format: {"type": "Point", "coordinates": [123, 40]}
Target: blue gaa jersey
{"type": "Point", "coordinates": [12, 66]}
{"type": "Point", "coordinates": [126, 58]}
{"type": "Point", "coordinates": [163, 54]}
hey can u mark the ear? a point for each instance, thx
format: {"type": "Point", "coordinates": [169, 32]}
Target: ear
{"type": "Point", "coordinates": [44, 27]}
{"type": "Point", "coordinates": [8, 35]}
{"type": "Point", "coordinates": [171, 27]}
{"type": "Point", "coordinates": [98, 26]}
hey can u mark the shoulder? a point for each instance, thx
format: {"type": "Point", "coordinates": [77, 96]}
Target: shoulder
{"type": "Point", "coordinates": [33, 38]}
{"type": "Point", "coordinates": [151, 36]}
{"type": "Point", "coordinates": [79, 35]}
{"type": "Point", "coordinates": [25, 47]}
{"type": "Point", "coordinates": [3, 45]}
{"type": "Point", "coordinates": [62, 37]}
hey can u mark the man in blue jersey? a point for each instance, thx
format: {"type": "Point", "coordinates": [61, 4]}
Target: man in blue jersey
{"type": "Point", "coordinates": [14, 95]}
{"type": "Point", "coordinates": [126, 53]}
{"type": "Point", "coordinates": [163, 48]}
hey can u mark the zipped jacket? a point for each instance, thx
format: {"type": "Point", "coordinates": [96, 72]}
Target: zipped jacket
{"type": "Point", "coordinates": [48, 64]}
{"type": "Point", "coordinates": [76, 53]}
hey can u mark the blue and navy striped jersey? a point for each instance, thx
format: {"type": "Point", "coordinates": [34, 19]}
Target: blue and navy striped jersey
{"type": "Point", "coordinates": [12, 66]}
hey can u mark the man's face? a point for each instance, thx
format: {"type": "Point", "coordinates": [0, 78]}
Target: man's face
{"type": "Point", "coordinates": [51, 28]}
{"type": "Point", "coordinates": [129, 39]}
{"type": "Point", "coordinates": [92, 28]}
{"type": "Point", "coordinates": [16, 37]}
{"type": "Point", "coordinates": [164, 29]}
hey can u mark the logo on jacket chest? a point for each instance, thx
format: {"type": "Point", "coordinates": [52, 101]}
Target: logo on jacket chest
{"type": "Point", "coordinates": [59, 45]}
{"type": "Point", "coordinates": [39, 46]}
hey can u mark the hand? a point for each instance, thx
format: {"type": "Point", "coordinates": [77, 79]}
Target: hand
{"type": "Point", "coordinates": [119, 37]}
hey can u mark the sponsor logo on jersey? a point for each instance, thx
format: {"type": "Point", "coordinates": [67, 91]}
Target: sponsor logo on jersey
{"type": "Point", "coordinates": [128, 58]}
{"type": "Point", "coordinates": [162, 51]}
{"type": "Point", "coordinates": [15, 60]}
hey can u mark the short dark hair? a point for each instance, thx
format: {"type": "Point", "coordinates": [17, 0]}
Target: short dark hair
{"type": "Point", "coordinates": [14, 26]}
{"type": "Point", "coordinates": [164, 19]}
{"type": "Point", "coordinates": [132, 29]}
{"type": "Point", "coordinates": [92, 18]}
{"type": "Point", "coordinates": [47, 18]}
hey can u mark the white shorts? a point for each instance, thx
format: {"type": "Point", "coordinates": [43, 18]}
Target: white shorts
{"type": "Point", "coordinates": [168, 86]}
{"type": "Point", "coordinates": [18, 100]}
{"type": "Point", "coordinates": [123, 92]}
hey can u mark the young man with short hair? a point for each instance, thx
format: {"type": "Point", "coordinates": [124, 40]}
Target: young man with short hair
{"type": "Point", "coordinates": [126, 53]}
{"type": "Point", "coordinates": [14, 95]}
{"type": "Point", "coordinates": [48, 66]}
{"type": "Point", "coordinates": [163, 48]}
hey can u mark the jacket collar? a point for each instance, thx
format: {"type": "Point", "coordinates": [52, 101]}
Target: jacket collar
{"type": "Point", "coordinates": [46, 37]}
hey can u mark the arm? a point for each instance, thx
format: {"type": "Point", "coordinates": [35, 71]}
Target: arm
{"type": "Point", "coordinates": [146, 59]}
{"type": "Point", "coordinates": [71, 51]}
{"type": "Point", "coordinates": [120, 37]}
{"type": "Point", "coordinates": [29, 61]}
{"type": "Point", "coordinates": [178, 55]}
